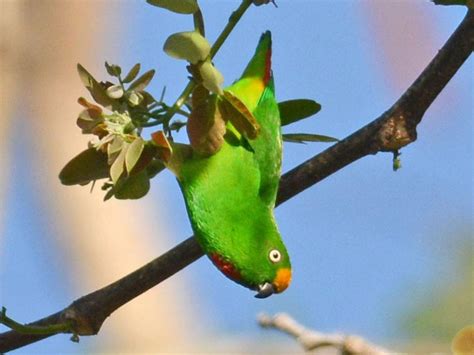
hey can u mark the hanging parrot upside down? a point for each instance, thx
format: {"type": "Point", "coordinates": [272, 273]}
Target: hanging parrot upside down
{"type": "Point", "coordinates": [230, 179]}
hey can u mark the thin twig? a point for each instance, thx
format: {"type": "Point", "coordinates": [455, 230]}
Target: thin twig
{"type": "Point", "coordinates": [391, 131]}
{"type": "Point", "coordinates": [37, 330]}
{"type": "Point", "coordinates": [233, 20]}
{"type": "Point", "coordinates": [313, 340]}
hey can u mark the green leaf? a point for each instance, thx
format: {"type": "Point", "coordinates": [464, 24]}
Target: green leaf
{"type": "Point", "coordinates": [147, 98]}
{"type": "Point", "coordinates": [114, 148]}
{"type": "Point", "coordinates": [154, 168]}
{"type": "Point", "coordinates": [134, 98]}
{"type": "Point", "coordinates": [109, 194]}
{"type": "Point", "coordinates": [142, 82]}
{"type": "Point", "coordinates": [295, 110]}
{"type": "Point", "coordinates": [239, 115]}
{"type": "Point", "coordinates": [146, 158]}
{"type": "Point", "coordinates": [134, 151]}
{"type": "Point", "coordinates": [306, 137]}
{"type": "Point", "coordinates": [190, 46]}
{"type": "Point", "coordinates": [212, 78]}
{"type": "Point", "coordinates": [87, 166]}
{"type": "Point", "coordinates": [88, 120]}
{"type": "Point", "coordinates": [94, 87]}
{"type": "Point", "coordinates": [114, 92]}
{"type": "Point", "coordinates": [205, 127]}
{"type": "Point", "coordinates": [133, 187]}
{"type": "Point", "coordinates": [132, 74]}
{"type": "Point", "coordinates": [451, 2]}
{"type": "Point", "coordinates": [178, 6]}
{"type": "Point", "coordinates": [118, 166]}
{"type": "Point", "coordinates": [113, 69]}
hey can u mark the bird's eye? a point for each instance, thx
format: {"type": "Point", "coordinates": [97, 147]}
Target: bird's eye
{"type": "Point", "coordinates": [274, 255]}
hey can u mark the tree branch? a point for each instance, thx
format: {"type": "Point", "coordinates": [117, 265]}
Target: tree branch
{"type": "Point", "coordinates": [313, 340]}
{"type": "Point", "coordinates": [391, 131]}
{"type": "Point", "coordinates": [396, 127]}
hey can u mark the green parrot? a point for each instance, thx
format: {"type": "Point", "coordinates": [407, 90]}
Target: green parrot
{"type": "Point", "coordinates": [230, 194]}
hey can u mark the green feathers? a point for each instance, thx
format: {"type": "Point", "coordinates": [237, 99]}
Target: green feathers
{"type": "Point", "coordinates": [230, 191]}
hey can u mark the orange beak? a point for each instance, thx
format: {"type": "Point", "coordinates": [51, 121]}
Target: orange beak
{"type": "Point", "coordinates": [282, 280]}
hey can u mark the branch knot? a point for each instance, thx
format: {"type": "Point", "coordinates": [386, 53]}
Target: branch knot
{"type": "Point", "coordinates": [396, 132]}
{"type": "Point", "coordinates": [81, 324]}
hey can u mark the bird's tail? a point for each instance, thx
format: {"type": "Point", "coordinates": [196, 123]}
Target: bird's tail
{"type": "Point", "coordinates": [260, 66]}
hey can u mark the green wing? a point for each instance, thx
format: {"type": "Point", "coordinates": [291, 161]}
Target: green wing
{"type": "Point", "coordinates": [267, 146]}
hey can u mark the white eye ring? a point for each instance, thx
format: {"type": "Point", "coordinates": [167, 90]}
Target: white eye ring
{"type": "Point", "coordinates": [274, 256]}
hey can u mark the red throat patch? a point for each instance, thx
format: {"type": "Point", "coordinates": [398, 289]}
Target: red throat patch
{"type": "Point", "coordinates": [226, 267]}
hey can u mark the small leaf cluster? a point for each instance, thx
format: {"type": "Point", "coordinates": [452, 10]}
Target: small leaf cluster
{"type": "Point", "coordinates": [116, 119]}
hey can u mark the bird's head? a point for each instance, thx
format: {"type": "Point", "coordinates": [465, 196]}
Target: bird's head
{"type": "Point", "coordinates": [263, 267]}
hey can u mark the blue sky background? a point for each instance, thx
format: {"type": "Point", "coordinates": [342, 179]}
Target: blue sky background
{"type": "Point", "coordinates": [364, 242]}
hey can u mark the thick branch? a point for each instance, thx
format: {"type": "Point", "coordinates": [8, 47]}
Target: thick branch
{"type": "Point", "coordinates": [89, 312]}
{"type": "Point", "coordinates": [396, 127]}
{"type": "Point", "coordinates": [391, 131]}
